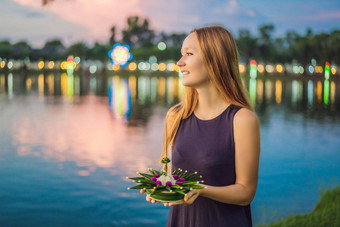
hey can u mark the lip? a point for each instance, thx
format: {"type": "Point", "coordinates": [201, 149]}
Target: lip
{"type": "Point", "coordinates": [183, 71]}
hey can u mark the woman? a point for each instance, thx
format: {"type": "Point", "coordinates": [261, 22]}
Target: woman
{"type": "Point", "coordinates": [215, 132]}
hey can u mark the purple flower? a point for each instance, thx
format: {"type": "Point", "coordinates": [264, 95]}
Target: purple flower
{"type": "Point", "coordinates": [158, 182]}
{"type": "Point", "coordinates": [156, 175]}
{"type": "Point", "coordinates": [175, 176]}
{"type": "Point", "coordinates": [153, 178]}
{"type": "Point", "coordinates": [168, 183]}
{"type": "Point", "coordinates": [178, 183]}
{"type": "Point", "coordinates": [181, 179]}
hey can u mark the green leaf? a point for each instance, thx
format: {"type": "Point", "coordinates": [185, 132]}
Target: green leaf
{"type": "Point", "coordinates": [158, 172]}
{"type": "Point", "coordinates": [137, 178]}
{"type": "Point", "coordinates": [141, 186]}
{"type": "Point", "coordinates": [197, 187]}
{"type": "Point", "coordinates": [147, 181]}
{"type": "Point", "coordinates": [152, 172]}
{"type": "Point", "coordinates": [176, 186]}
{"type": "Point", "coordinates": [146, 175]}
{"type": "Point", "coordinates": [165, 160]}
{"type": "Point", "coordinates": [193, 178]}
{"type": "Point", "coordinates": [179, 191]}
{"type": "Point", "coordinates": [189, 182]}
{"type": "Point", "coordinates": [168, 188]}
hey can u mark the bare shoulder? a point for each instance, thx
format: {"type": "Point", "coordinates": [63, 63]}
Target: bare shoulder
{"type": "Point", "coordinates": [246, 118]}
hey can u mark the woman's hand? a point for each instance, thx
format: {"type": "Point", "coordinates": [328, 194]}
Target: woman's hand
{"type": "Point", "coordinates": [188, 199]}
{"type": "Point", "coordinates": [142, 191]}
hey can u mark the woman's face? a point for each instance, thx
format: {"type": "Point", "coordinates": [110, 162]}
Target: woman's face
{"type": "Point", "coordinates": [191, 64]}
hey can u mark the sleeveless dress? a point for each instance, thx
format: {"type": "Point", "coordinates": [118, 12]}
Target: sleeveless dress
{"type": "Point", "coordinates": [207, 146]}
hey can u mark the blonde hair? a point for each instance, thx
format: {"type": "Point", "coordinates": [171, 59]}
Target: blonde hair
{"type": "Point", "coordinates": [220, 57]}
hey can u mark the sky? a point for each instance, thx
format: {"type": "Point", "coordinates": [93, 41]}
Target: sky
{"type": "Point", "coordinates": [90, 21]}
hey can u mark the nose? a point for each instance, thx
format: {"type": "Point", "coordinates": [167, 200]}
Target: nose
{"type": "Point", "coordinates": [180, 62]}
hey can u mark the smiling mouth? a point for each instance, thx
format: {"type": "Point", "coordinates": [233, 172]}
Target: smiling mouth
{"type": "Point", "coordinates": [185, 73]}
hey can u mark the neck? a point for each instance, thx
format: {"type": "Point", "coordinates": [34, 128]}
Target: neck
{"type": "Point", "coordinates": [210, 100]}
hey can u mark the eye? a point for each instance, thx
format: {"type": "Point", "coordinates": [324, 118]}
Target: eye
{"type": "Point", "coordinates": [188, 53]}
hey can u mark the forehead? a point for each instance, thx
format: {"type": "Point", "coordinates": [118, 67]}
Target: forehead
{"type": "Point", "coordinates": [190, 42]}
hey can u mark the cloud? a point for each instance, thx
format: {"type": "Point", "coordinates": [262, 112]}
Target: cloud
{"type": "Point", "coordinates": [23, 23]}
{"type": "Point", "coordinates": [91, 21]}
{"type": "Point", "coordinates": [96, 16]}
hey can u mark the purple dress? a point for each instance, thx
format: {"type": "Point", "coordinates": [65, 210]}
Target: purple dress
{"type": "Point", "coordinates": [207, 146]}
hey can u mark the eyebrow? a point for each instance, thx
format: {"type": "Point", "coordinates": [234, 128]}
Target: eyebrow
{"type": "Point", "coordinates": [187, 48]}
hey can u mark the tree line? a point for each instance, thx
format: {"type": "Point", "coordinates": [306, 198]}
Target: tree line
{"type": "Point", "coordinates": [293, 47]}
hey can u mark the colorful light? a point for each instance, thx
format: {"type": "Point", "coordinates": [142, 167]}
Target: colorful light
{"type": "Point", "coordinates": [162, 66]}
{"type": "Point", "coordinates": [119, 94]}
{"type": "Point", "coordinates": [269, 68]}
{"type": "Point", "coordinates": [242, 68]}
{"type": "Point", "coordinates": [2, 64]}
{"type": "Point", "coordinates": [260, 68]}
{"type": "Point", "coordinates": [50, 64]}
{"type": "Point", "coordinates": [171, 67]}
{"type": "Point", "coordinates": [279, 68]}
{"type": "Point", "coordinates": [120, 55]}
{"type": "Point", "coordinates": [161, 46]}
{"type": "Point", "coordinates": [333, 70]}
{"type": "Point", "coordinates": [253, 69]}
{"type": "Point", "coordinates": [41, 65]}
{"type": "Point", "coordinates": [132, 66]}
{"type": "Point", "coordinates": [327, 70]}
{"type": "Point", "coordinates": [68, 65]}
{"type": "Point", "coordinates": [154, 67]}
{"type": "Point", "coordinates": [10, 65]}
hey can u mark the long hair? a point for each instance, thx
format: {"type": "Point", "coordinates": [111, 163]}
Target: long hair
{"type": "Point", "coordinates": [220, 57]}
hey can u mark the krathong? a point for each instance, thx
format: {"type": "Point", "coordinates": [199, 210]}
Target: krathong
{"type": "Point", "coordinates": [167, 185]}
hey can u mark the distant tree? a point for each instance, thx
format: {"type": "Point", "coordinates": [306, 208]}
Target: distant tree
{"type": "Point", "coordinates": [265, 43]}
{"type": "Point", "coordinates": [112, 39]}
{"type": "Point", "coordinates": [6, 49]}
{"type": "Point", "coordinates": [99, 52]}
{"type": "Point", "coordinates": [79, 49]}
{"type": "Point", "coordinates": [21, 50]}
{"type": "Point", "coordinates": [53, 49]}
{"type": "Point", "coordinates": [176, 39]}
{"type": "Point", "coordinates": [138, 34]}
{"type": "Point", "coordinates": [247, 45]}
{"type": "Point", "coordinates": [334, 44]}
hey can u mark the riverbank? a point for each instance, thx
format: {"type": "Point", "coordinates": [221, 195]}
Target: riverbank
{"type": "Point", "coordinates": [325, 213]}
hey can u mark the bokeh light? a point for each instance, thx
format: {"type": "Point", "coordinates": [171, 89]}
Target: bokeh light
{"type": "Point", "coordinates": [93, 69]}
{"type": "Point", "coordinates": [242, 68]}
{"type": "Point", "coordinates": [161, 46]}
{"type": "Point", "coordinates": [162, 66]}
{"type": "Point", "coordinates": [253, 69]}
{"type": "Point", "coordinates": [132, 66]}
{"type": "Point", "coordinates": [269, 68]}
{"type": "Point", "coordinates": [279, 68]}
{"type": "Point", "coordinates": [260, 68]}
{"type": "Point", "coordinates": [41, 65]}
{"type": "Point", "coordinates": [120, 55]}
{"type": "Point", "coordinates": [50, 64]}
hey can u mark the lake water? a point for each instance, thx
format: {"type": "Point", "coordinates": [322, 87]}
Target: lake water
{"type": "Point", "coordinates": [67, 142]}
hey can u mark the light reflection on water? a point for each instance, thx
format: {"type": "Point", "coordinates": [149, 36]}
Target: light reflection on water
{"type": "Point", "coordinates": [68, 141]}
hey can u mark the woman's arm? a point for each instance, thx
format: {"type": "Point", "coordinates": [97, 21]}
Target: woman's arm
{"type": "Point", "coordinates": [247, 154]}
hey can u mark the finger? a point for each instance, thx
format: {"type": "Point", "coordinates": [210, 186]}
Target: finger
{"type": "Point", "coordinates": [175, 203]}
{"type": "Point", "coordinates": [189, 195]}
{"type": "Point", "coordinates": [148, 198]}
{"type": "Point", "coordinates": [142, 191]}
{"type": "Point", "coordinates": [153, 201]}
